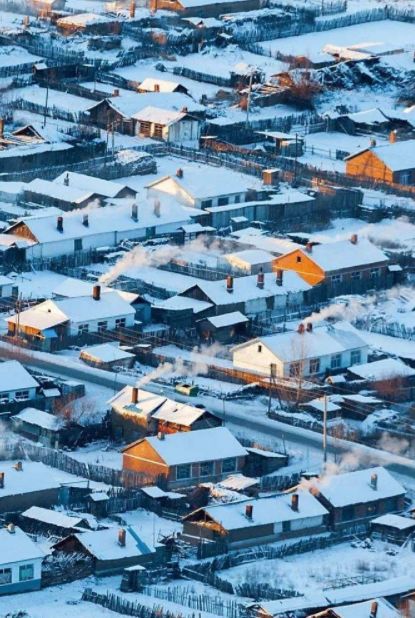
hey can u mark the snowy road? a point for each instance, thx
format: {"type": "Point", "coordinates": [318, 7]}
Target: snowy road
{"type": "Point", "coordinates": [239, 415]}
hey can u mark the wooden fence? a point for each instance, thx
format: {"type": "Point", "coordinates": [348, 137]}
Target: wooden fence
{"type": "Point", "coordinates": [202, 602]}
{"type": "Point", "coordinates": [122, 606]}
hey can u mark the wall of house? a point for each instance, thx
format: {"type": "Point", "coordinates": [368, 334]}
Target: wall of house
{"type": "Point", "coordinates": [93, 324]}
{"type": "Point", "coordinates": [301, 263]}
{"type": "Point", "coordinates": [343, 516]}
{"type": "Point", "coordinates": [6, 394]}
{"type": "Point", "coordinates": [16, 585]}
{"type": "Point", "coordinates": [369, 165]}
{"type": "Point", "coordinates": [209, 10]}
{"type": "Point", "coordinates": [184, 131]}
{"type": "Point", "coordinates": [16, 503]}
{"type": "Point", "coordinates": [197, 478]}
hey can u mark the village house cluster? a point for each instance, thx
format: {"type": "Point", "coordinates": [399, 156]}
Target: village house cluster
{"type": "Point", "coordinates": [207, 329]}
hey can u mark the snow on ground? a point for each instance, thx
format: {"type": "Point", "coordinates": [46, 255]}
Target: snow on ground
{"type": "Point", "coordinates": [99, 453]}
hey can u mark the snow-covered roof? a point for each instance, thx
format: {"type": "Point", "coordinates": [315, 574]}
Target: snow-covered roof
{"type": "Point", "coordinates": [238, 482]}
{"type": "Point", "coordinates": [5, 280]}
{"type": "Point", "coordinates": [71, 288]}
{"type": "Point", "coordinates": [397, 156]}
{"type": "Point", "coordinates": [228, 319]}
{"type": "Point", "coordinates": [17, 547]}
{"type": "Point", "coordinates": [319, 405]}
{"type": "Point", "coordinates": [195, 446]}
{"type": "Point", "coordinates": [71, 194]}
{"type": "Point", "coordinates": [188, 4]}
{"type": "Point", "coordinates": [355, 487]}
{"type": "Point", "coordinates": [105, 352]}
{"type": "Point", "coordinates": [164, 85]}
{"type": "Point", "coordinates": [181, 303]}
{"type": "Point", "coordinates": [267, 510]}
{"type": "Point", "coordinates": [99, 186]}
{"type": "Point", "coordinates": [13, 376]}
{"type": "Point", "coordinates": [388, 587]}
{"type": "Point", "coordinates": [395, 521]}
{"type": "Point", "coordinates": [344, 254]}
{"type": "Point", "coordinates": [55, 518]}
{"type": "Point", "coordinates": [249, 256]}
{"type": "Point", "coordinates": [369, 116]}
{"type": "Point", "coordinates": [179, 413]}
{"type": "Point", "coordinates": [364, 609]}
{"type": "Point", "coordinates": [82, 308]}
{"type": "Point", "coordinates": [158, 115]}
{"type": "Point", "coordinates": [102, 221]}
{"type": "Point", "coordinates": [32, 416]}
{"type": "Point", "coordinates": [321, 341]}
{"type": "Point", "coordinates": [155, 492]}
{"type": "Point", "coordinates": [103, 544]}
{"type": "Point", "coordinates": [147, 403]}
{"type": "Point", "coordinates": [383, 369]}
{"type": "Point", "coordinates": [246, 288]}
{"type": "Point", "coordinates": [83, 20]}
{"type": "Point", "coordinates": [130, 103]}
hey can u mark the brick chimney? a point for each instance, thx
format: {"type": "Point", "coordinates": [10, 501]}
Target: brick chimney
{"type": "Point", "coordinates": [179, 173]}
{"type": "Point", "coordinates": [249, 509]}
{"type": "Point", "coordinates": [354, 239]}
{"type": "Point", "coordinates": [96, 292]}
{"type": "Point", "coordinates": [392, 137]}
{"type": "Point", "coordinates": [122, 536]}
{"type": "Point", "coordinates": [18, 466]}
{"type": "Point", "coordinates": [132, 9]}
{"type": "Point", "coordinates": [374, 481]}
{"type": "Point", "coordinates": [373, 142]}
{"type": "Point", "coordinates": [309, 247]}
{"type": "Point", "coordinates": [229, 284]}
{"type": "Point", "coordinates": [66, 180]}
{"type": "Point", "coordinates": [134, 395]}
{"type": "Point", "coordinates": [280, 277]}
{"type": "Point", "coordinates": [85, 220]}
{"type": "Point", "coordinates": [59, 224]}
{"type": "Point", "coordinates": [11, 528]}
{"type": "Point", "coordinates": [295, 502]}
{"type": "Point", "coordinates": [301, 328]}
{"type": "Point", "coordinates": [1, 127]}
{"type": "Point", "coordinates": [116, 92]}
{"type": "Point", "coordinates": [260, 280]}
{"type": "Point", "coordinates": [374, 609]}
{"type": "Point", "coordinates": [160, 435]}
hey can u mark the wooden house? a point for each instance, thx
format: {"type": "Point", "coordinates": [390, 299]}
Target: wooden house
{"type": "Point", "coordinates": [45, 428]}
{"type": "Point", "coordinates": [223, 328]}
{"type": "Point", "coordinates": [357, 497]}
{"type": "Point", "coordinates": [186, 458]}
{"type": "Point", "coordinates": [377, 608]}
{"type": "Point", "coordinates": [90, 23]}
{"type": "Point", "coordinates": [391, 164]}
{"type": "Point", "coordinates": [107, 356]}
{"type": "Point", "coordinates": [393, 528]}
{"type": "Point", "coordinates": [112, 550]}
{"type": "Point", "coordinates": [37, 520]}
{"type": "Point", "coordinates": [65, 197]}
{"type": "Point", "coordinates": [200, 8]}
{"type": "Point", "coordinates": [255, 522]}
{"type": "Point", "coordinates": [347, 266]}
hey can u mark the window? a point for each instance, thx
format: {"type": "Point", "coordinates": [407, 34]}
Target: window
{"type": "Point", "coordinates": [286, 526]}
{"type": "Point", "coordinates": [336, 361]}
{"type": "Point", "coordinates": [315, 365]}
{"type": "Point", "coordinates": [145, 128]}
{"type": "Point", "coordinates": [158, 131]}
{"type": "Point", "coordinates": [102, 326]}
{"type": "Point", "coordinates": [22, 395]}
{"type": "Point", "coordinates": [183, 472]}
{"type": "Point", "coordinates": [120, 323]}
{"type": "Point", "coordinates": [229, 465]}
{"type": "Point", "coordinates": [223, 201]}
{"type": "Point", "coordinates": [298, 258]}
{"type": "Point", "coordinates": [355, 357]}
{"type": "Point", "coordinates": [259, 349]}
{"type": "Point", "coordinates": [206, 203]}
{"type": "Point", "coordinates": [336, 279]}
{"type": "Point", "coordinates": [5, 576]}
{"type": "Point", "coordinates": [26, 572]}
{"type": "Point", "coordinates": [83, 329]}
{"type": "Point", "coordinates": [348, 513]}
{"type": "Point", "coordinates": [295, 369]}
{"type": "Point", "coordinates": [374, 273]}
{"type": "Point", "coordinates": [237, 199]}
{"type": "Point", "coordinates": [356, 275]}
{"type": "Point", "coordinates": [405, 178]}
{"type": "Point", "coordinates": [77, 244]}
{"type": "Point", "coordinates": [206, 468]}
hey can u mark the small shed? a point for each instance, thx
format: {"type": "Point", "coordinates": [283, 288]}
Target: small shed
{"type": "Point", "coordinates": [262, 462]}
{"type": "Point", "coordinates": [107, 356]}
{"type": "Point", "coordinates": [38, 520]}
{"type": "Point", "coordinates": [393, 528]}
{"type": "Point", "coordinates": [223, 328]}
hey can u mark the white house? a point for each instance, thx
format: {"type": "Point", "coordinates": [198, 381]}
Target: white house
{"type": "Point", "coordinates": [203, 186]}
{"type": "Point", "coordinates": [306, 352]}
{"type": "Point", "coordinates": [20, 561]}
{"type": "Point", "coordinates": [167, 125]}
{"type": "Point", "coordinates": [16, 383]}
{"type": "Point", "coordinates": [248, 261]}
{"type": "Point", "coordinates": [51, 321]}
{"type": "Point", "coordinates": [98, 186]}
{"type": "Point", "coordinates": [51, 236]}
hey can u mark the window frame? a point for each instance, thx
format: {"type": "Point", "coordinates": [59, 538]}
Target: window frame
{"type": "Point", "coordinates": [8, 575]}
{"type": "Point", "coordinates": [180, 477]}
{"type": "Point", "coordinates": [225, 462]}
{"type": "Point", "coordinates": [29, 566]}
{"type": "Point", "coordinates": [210, 471]}
{"type": "Point", "coordinates": [314, 361]}
{"type": "Point", "coordinates": [336, 361]}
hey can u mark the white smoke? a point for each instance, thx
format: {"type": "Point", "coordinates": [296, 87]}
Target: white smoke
{"type": "Point", "coordinates": [349, 311]}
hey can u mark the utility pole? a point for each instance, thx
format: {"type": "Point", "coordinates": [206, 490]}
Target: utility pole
{"type": "Point", "coordinates": [46, 103]}
{"type": "Point", "coordinates": [325, 429]}
{"type": "Point", "coordinates": [248, 101]}
{"type": "Point", "coordinates": [18, 310]}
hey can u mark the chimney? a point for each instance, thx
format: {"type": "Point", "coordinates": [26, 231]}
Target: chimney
{"type": "Point", "coordinates": [11, 528]}
{"type": "Point", "coordinates": [179, 173]}
{"type": "Point", "coordinates": [134, 394]}
{"type": "Point", "coordinates": [372, 142]}
{"type": "Point", "coordinates": [85, 221]}
{"type": "Point", "coordinates": [26, 21]}
{"type": "Point", "coordinates": [1, 127]}
{"type": "Point", "coordinates": [66, 180]}
{"type": "Point", "coordinates": [160, 435]}
{"type": "Point", "coordinates": [96, 292]}
{"type": "Point", "coordinates": [116, 92]}
{"type": "Point", "coordinates": [18, 466]}
{"type": "Point", "coordinates": [354, 239]}
{"type": "Point", "coordinates": [249, 509]}
{"type": "Point", "coordinates": [1, 480]}
{"type": "Point", "coordinates": [122, 535]}
{"type": "Point", "coordinates": [156, 208]}
{"type": "Point", "coordinates": [392, 137]}
{"type": "Point", "coordinates": [134, 212]}
{"type": "Point", "coordinates": [229, 284]}
{"type": "Point", "coordinates": [132, 9]}
{"type": "Point", "coordinates": [301, 328]}
{"type": "Point", "coordinates": [374, 481]}
{"type": "Point", "coordinates": [156, 87]}
{"type": "Point", "coordinates": [260, 280]}
{"type": "Point", "coordinates": [280, 277]}
{"type": "Point", "coordinates": [59, 224]}
{"type": "Point", "coordinates": [294, 502]}
{"type": "Point", "coordinates": [309, 327]}
{"type": "Point", "coordinates": [309, 247]}
{"type": "Point", "coordinates": [185, 110]}
{"type": "Point", "coordinates": [374, 609]}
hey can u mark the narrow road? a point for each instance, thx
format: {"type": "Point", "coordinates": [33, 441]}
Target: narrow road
{"type": "Point", "coordinates": [238, 414]}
